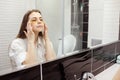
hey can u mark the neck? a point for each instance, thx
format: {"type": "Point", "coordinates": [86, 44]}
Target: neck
{"type": "Point", "coordinates": [36, 37]}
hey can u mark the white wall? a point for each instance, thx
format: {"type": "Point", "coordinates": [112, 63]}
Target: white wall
{"type": "Point", "coordinates": [11, 14]}
{"type": "Point", "coordinates": [67, 17]}
{"type": "Point", "coordinates": [95, 29]}
{"type": "Point", "coordinates": [103, 20]}
{"type": "Point", "coordinates": [111, 20]}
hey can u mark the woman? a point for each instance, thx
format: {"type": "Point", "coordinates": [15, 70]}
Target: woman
{"type": "Point", "coordinates": [32, 43]}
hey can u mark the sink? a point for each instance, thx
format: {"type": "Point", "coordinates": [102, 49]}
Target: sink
{"type": "Point", "coordinates": [108, 73]}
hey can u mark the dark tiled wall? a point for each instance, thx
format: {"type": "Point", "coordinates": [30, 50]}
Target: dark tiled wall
{"type": "Point", "coordinates": [117, 49]}
{"type": "Point", "coordinates": [78, 22]}
{"type": "Point", "coordinates": [119, 26]}
{"type": "Point", "coordinates": [53, 71]}
{"type": "Point", "coordinates": [93, 60]}
{"type": "Point", "coordinates": [32, 73]}
{"type": "Point", "coordinates": [80, 33]}
{"type": "Point", "coordinates": [85, 23]}
{"type": "Point", "coordinates": [77, 64]}
{"type": "Point", "coordinates": [103, 57]}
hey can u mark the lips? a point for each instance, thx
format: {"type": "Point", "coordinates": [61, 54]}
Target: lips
{"type": "Point", "coordinates": [39, 26]}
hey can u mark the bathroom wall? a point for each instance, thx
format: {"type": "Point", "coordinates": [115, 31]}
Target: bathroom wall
{"type": "Point", "coordinates": [85, 23]}
{"type": "Point", "coordinates": [111, 20]}
{"type": "Point", "coordinates": [95, 29]}
{"type": "Point", "coordinates": [11, 14]}
{"type": "Point", "coordinates": [103, 21]}
{"type": "Point", "coordinates": [79, 22]}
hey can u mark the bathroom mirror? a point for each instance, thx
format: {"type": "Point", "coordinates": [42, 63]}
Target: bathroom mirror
{"type": "Point", "coordinates": [93, 23]}
{"type": "Point", "coordinates": [82, 23]}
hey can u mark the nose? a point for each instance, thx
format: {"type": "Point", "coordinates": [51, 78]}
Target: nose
{"type": "Point", "coordinates": [39, 21]}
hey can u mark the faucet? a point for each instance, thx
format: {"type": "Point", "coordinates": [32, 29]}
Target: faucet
{"type": "Point", "coordinates": [86, 76]}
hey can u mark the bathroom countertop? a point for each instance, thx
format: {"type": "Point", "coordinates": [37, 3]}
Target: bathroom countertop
{"type": "Point", "coordinates": [108, 73]}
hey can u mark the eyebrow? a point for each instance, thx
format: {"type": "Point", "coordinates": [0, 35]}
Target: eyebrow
{"type": "Point", "coordinates": [39, 17]}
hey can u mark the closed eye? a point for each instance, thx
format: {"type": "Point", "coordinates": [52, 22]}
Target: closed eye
{"type": "Point", "coordinates": [41, 19]}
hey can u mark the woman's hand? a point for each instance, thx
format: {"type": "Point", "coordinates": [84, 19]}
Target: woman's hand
{"type": "Point", "coordinates": [50, 53]}
{"type": "Point", "coordinates": [29, 33]}
{"type": "Point", "coordinates": [45, 32]}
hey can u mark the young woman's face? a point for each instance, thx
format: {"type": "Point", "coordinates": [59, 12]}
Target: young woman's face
{"type": "Point", "coordinates": [36, 21]}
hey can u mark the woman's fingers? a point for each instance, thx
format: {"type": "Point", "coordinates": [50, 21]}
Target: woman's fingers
{"type": "Point", "coordinates": [29, 27]}
{"type": "Point", "coordinates": [29, 33]}
{"type": "Point", "coordinates": [29, 30]}
{"type": "Point", "coordinates": [25, 33]}
{"type": "Point", "coordinates": [45, 32]}
{"type": "Point", "coordinates": [45, 29]}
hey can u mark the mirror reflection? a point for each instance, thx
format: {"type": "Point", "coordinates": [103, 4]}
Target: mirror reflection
{"type": "Point", "coordinates": [32, 43]}
{"type": "Point", "coordinates": [79, 25]}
